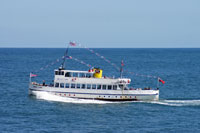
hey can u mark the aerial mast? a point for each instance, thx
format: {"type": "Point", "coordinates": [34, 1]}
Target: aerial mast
{"type": "Point", "coordinates": [121, 69]}
{"type": "Point", "coordinates": [64, 58]}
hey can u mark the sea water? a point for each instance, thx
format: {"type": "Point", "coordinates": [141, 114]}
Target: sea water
{"type": "Point", "coordinates": [178, 109]}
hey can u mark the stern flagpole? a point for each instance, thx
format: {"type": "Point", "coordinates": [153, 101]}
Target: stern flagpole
{"type": "Point", "coordinates": [158, 82]}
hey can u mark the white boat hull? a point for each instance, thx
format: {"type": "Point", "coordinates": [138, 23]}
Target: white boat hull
{"type": "Point", "coordinates": [109, 95]}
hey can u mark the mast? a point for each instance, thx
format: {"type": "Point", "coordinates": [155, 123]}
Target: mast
{"type": "Point", "coordinates": [64, 59]}
{"type": "Point", "coordinates": [121, 69]}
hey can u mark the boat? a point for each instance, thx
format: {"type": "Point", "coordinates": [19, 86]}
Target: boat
{"type": "Point", "coordinates": [90, 84]}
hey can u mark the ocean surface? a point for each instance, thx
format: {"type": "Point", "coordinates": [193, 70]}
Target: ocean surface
{"type": "Point", "coordinates": [178, 109]}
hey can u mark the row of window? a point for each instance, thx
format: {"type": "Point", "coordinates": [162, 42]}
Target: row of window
{"type": "Point", "coordinates": [87, 86]}
{"type": "Point", "coordinates": [70, 74]}
{"type": "Point", "coordinates": [59, 72]}
{"type": "Point", "coordinates": [73, 74]}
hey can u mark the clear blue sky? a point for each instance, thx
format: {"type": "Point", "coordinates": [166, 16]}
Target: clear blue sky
{"type": "Point", "coordinates": [103, 23]}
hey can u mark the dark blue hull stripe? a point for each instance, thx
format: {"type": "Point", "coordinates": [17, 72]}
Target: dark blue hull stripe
{"type": "Point", "coordinates": [95, 93]}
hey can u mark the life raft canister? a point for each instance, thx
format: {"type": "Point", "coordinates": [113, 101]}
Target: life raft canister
{"type": "Point", "coordinates": [98, 72]}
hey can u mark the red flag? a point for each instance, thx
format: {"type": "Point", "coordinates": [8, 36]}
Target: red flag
{"type": "Point", "coordinates": [32, 75]}
{"type": "Point", "coordinates": [72, 43]}
{"type": "Point", "coordinates": [160, 80]}
{"type": "Point", "coordinates": [122, 63]}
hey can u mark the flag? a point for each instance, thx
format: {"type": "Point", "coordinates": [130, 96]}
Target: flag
{"type": "Point", "coordinates": [32, 75]}
{"type": "Point", "coordinates": [72, 43]}
{"type": "Point", "coordinates": [162, 81]}
{"type": "Point", "coordinates": [122, 63]}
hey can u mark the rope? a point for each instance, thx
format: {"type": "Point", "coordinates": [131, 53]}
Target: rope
{"type": "Point", "coordinates": [88, 65]}
{"type": "Point", "coordinates": [108, 61]}
{"type": "Point", "coordinates": [60, 59]}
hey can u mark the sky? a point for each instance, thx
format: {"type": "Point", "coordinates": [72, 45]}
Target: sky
{"type": "Point", "coordinates": [100, 24]}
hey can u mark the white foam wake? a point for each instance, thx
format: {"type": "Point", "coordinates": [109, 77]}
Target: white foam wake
{"type": "Point", "coordinates": [51, 97]}
{"type": "Point", "coordinates": [177, 102]}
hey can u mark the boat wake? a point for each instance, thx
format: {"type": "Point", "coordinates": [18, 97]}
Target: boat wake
{"type": "Point", "coordinates": [50, 97]}
{"type": "Point", "coordinates": [176, 102]}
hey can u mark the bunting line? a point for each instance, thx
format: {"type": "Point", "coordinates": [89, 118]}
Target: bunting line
{"type": "Point", "coordinates": [88, 65]}
{"type": "Point", "coordinates": [59, 59]}
{"type": "Point", "coordinates": [97, 54]}
{"type": "Point", "coordinates": [108, 61]}
{"type": "Point", "coordinates": [79, 61]}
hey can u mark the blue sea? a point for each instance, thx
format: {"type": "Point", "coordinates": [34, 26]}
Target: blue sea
{"type": "Point", "coordinates": [178, 109]}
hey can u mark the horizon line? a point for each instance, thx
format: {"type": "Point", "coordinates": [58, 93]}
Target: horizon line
{"type": "Point", "coordinates": [109, 47]}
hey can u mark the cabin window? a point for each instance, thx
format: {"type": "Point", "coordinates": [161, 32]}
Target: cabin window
{"type": "Point", "coordinates": [72, 85]}
{"type": "Point", "coordinates": [75, 74]}
{"type": "Point", "coordinates": [56, 84]}
{"type": "Point", "coordinates": [88, 75]}
{"type": "Point", "coordinates": [56, 73]}
{"type": "Point", "coordinates": [109, 87]}
{"type": "Point", "coordinates": [78, 86]}
{"type": "Point", "coordinates": [83, 86]}
{"type": "Point", "coordinates": [61, 85]}
{"type": "Point", "coordinates": [88, 86]}
{"type": "Point", "coordinates": [66, 85]}
{"type": "Point", "coordinates": [61, 73]}
{"type": "Point", "coordinates": [125, 88]}
{"type": "Point", "coordinates": [98, 87]}
{"type": "Point", "coordinates": [68, 74]}
{"type": "Point", "coordinates": [94, 86]}
{"type": "Point", "coordinates": [114, 87]}
{"type": "Point", "coordinates": [121, 86]}
{"type": "Point", "coordinates": [82, 74]}
{"type": "Point", "coordinates": [104, 87]}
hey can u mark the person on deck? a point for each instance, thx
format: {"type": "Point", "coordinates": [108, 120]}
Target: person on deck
{"type": "Point", "coordinates": [43, 83]}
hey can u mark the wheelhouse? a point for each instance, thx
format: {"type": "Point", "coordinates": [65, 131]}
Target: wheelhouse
{"type": "Point", "coordinates": [72, 73]}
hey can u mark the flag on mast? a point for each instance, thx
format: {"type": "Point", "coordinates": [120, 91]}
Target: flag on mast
{"type": "Point", "coordinates": [32, 75]}
{"type": "Point", "coordinates": [72, 43]}
{"type": "Point", "coordinates": [162, 81]}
